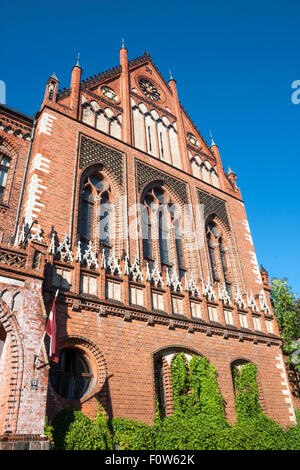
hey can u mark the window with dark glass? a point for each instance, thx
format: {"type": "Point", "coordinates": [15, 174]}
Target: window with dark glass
{"type": "Point", "coordinates": [157, 206]}
{"type": "Point", "coordinates": [212, 261]}
{"type": "Point", "coordinates": [87, 215]}
{"type": "Point", "coordinates": [105, 209]}
{"type": "Point", "coordinates": [224, 268]}
{"type": "Point", "coordinates": [217, 253]}
{"type": "Point", "coordinates": [71, 377]}
{"type": "Point", "coordinates": [179, 247]}
{"type": "Point", "coordinates": [95, 200]}
{"type": "Point", "coordinates": [146, 228]}
{"type": "Point", "coordinates": [4, 167]}
{"type": "Point", "coordinates": [163, 232]}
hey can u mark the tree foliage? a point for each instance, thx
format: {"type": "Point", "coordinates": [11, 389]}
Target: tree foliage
{"type": "Point", "coordinates": [287, 310]}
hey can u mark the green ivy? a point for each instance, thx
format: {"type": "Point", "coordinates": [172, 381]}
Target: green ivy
{"type": "Point", "coordinates": [75, 431]}
{"type": "Point", "coordinates": [48, 431]}
{"type": "Point", "coordinates": [182, 401]}
{"type": "Point", "coordinates": [132, 435]}
{"type": "Point", "coordinates": [207, 397]}
{"type": "Point", "coordinates": [198, 422]}
{"type": "Point", "coordinates": [247, 398]}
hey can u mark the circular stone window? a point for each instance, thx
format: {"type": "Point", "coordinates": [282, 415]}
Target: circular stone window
{"type": "Point", "coordinates": [71, 377]}
{"type": "Point", "coordinates": [192, 139]}
{"type": "Point", "coordinates": [109, 93]}
{"type": "Point", "coordinates": [149, 89]}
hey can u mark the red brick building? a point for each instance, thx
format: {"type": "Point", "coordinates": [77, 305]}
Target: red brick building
{"type": "Point", "coordinates": [111, 195]}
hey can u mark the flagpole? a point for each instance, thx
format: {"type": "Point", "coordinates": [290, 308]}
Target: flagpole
{"type": "Point", "coordinates": [43, 338]}
{"type": "Point", "coordinates": [39, 350]}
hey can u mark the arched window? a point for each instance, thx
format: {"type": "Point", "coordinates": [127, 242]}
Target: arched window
{"type": "Point", "coordinates": [71, 377]}
{"type": "Point", "coordinates": [87, 216]}
{"type": "Point", "coordinates": [216, 244]}
{"type": "Point", "coordinates": [146, 228]}
{"type": "Point", "coordinates": [105, 209]}
{"type": "Point", "coordinates": [177, 223]}
{"type": "Point", "coordinates": [96, 207]}
{"type": "Point", "coordinates": [157, 207]}
{"type": "Point", "coordinates": [2, 338]}
{"type": "Point", "coordinates": [4, 167]}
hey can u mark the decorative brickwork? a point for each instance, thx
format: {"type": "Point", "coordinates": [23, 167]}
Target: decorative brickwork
{"type": "Point", "coordinates": [94, 152]}
{"type": "Point", "coordinates": [213, 205]}
{"type": "Point", "coordinates": [123, 310]}
{"type": "Point", "coordinates": [147, 174]}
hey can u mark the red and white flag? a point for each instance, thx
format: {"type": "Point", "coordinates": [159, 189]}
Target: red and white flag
{"type": "Point", "coordinates": [51, 332]}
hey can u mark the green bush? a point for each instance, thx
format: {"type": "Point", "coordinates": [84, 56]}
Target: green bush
{"type": "Point", "coordinates": [191, 433]}
{"type": "Point", "coordinates": [259, 433]}
{"type": "Point", "coordinates": [132, 435]}
{"type": "Point", "coordinates": [48, 431]}
{"type": "Point", "coordinates": [293, 434]}
{"type": "Point", "coordinates": [75, 431]}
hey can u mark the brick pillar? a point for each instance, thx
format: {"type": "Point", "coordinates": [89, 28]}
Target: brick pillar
{"type": "Point", "coordinates": [75, 90]}
{"type": "Point", "coordinates": [125, 97]}
{"type": "Point", "coordinates": [185, 162]}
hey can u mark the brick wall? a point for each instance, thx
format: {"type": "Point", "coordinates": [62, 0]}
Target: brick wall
{"type": "Point", "coordinates": [120, 341]}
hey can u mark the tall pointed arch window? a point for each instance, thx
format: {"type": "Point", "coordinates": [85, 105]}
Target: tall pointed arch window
{"type": "Point", "coordinates": [96, 208]}
{"type": "Point", "coordinates": [4, 168]}
{"type": "Point", "coordinates": [105, 216]}
{"type": "Point", "coordinates": [87, 215]}
{"type": "Point", "coordinates": [159, 210]}
{"type": "Point", "coordinates": [217, 249]}
{"type": "Point", "coordinates": [147, 227]}
{"type": "Point", "coordinates": [176, 221]}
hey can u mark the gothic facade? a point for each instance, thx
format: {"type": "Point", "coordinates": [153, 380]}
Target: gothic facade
{"type": "Point", "coordinates": [111, 195]}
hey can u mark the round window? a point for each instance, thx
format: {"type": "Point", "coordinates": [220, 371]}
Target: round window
{"type": "Point", "coordinates": [71, 377]}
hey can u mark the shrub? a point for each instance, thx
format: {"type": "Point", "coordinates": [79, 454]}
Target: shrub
{"type": "Point", "coordinates": [75, 431]}
{"type": "Point", "coordinates": [132, 435]}
{"type": "Point", "coordinates": [48, 431]}
{"type": "Point", "coordinates": [189, 433]}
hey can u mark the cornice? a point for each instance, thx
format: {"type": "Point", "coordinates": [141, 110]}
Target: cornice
{"type": "Point", "coordinates": [106, 308]}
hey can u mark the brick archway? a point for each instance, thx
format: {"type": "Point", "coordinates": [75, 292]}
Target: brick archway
{"type": "Point", "coordinates": [12, 379]}
{"type": "Point", "coordinates": [162, 361]}
{"type": "Point", "coordinates": [240, 361]}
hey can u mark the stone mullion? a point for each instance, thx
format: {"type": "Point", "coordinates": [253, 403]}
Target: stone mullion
{"type": "Point", "coordinates": [144, 133]}
{"type": "Point", "coordinates": [218, 264]}
{"type": "Point", "coordinates": [172, 247]}
{"type": "Point", "coordinates": [213, 260]}
{"type": "Point", "coordinates": [156, 140]}
{"type": "Point", "coordinates": [188, 239]}
{"type": "Point", "coordinates": [155, 238]}
{"type": "Point", "coordinates": [169, 146]}
{"type": "Point", "coordinates": [167, 388]}
{"type": "Point", "coordinates": [232, 274]}
{"type": "Point", "coordinates": [116, 228]}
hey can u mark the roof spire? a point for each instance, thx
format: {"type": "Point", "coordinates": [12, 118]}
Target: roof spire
{"type": "Point", "coordinates": [123, 43]}
{"type": "Point", "coordinates": [171, 77]}
{"type": "Point", "coordinates": [211, 138]}
{"type": "Point", "coordinates": [78, 58]}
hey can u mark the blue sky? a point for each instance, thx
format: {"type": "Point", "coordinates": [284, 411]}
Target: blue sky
{"type": "Point", "coordinates": [234, 63]}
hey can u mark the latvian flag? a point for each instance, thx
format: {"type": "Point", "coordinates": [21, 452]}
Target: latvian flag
{"type": "Point", "coordinates": [51, 332]}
